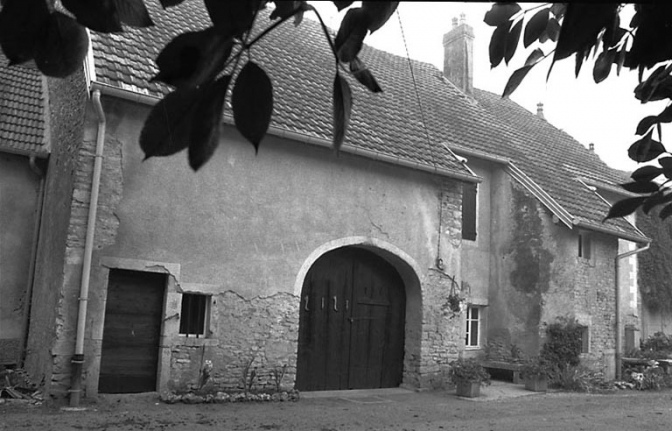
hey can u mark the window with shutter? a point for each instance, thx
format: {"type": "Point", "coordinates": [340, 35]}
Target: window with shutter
{"type": "Point", "coordinates": [469, 192]}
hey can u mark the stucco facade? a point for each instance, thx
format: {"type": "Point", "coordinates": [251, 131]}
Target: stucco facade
{"type": "Point", "coordinates": [244, 230]}
{"type": "Point", "coordinates": [525, 268]}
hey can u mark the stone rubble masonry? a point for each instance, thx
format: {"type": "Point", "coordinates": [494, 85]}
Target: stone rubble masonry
{"type": "Point", "coordinates": [64, 109]}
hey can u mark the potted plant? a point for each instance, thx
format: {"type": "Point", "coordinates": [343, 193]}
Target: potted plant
{"type": "Point", "coordinates": [536, 372]}
{"type": "Point", "coordinates": [468, 376]}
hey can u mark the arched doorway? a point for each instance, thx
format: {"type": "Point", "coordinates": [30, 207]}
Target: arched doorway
{"type": "Point", "coordinates": [351, 326]}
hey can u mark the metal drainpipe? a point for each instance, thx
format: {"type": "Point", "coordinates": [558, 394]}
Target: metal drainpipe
{"type": "Point", "coordinates": [78, 357]}
{"type": "Point", "coordinates": [33, 258]}
{"type": "Point", "coordinates": [618, 306]}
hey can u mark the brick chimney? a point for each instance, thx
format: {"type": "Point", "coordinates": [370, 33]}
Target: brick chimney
{"type": "Point", "coordinates": [458, 50]}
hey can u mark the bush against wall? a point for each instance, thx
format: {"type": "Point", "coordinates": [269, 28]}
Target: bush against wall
{"type": "Point", "coordinates": [563, 343]}
{"type": "Point", "coordinates": [655, 265]}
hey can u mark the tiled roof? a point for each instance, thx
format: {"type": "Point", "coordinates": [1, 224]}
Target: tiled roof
{"type": "Point", "coordinates": [21, 110]}
{"type": "Point", "coordinates": [390, 122]}
{"type": "Point", "coordinates": [302, 74]}
{"type": "Point", "coordinates": [557, 162]}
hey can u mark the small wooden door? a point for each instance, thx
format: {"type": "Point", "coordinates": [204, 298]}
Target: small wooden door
{"type": "Point", "coordinates": [133, 315]}
{"type": "Point", "coordinates": [351, 329]}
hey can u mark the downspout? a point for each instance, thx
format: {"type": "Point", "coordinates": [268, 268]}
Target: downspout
{"type": "Point", "coordinates": [33, 258]}
{"type": "Point", "coordinates": [78, 357]}
{"type": "Point", "coordinates": [618, 353]}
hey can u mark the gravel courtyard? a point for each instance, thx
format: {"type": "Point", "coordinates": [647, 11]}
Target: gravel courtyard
{"type": "Point", "coordinates": [502, 408]}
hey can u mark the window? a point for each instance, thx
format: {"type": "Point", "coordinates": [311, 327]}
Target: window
{"type": "Point", "coordinates": [194, 315]}
{"type": "Point", "coordinates": [469, 192]}
{"type": "Point", "coordinates": [473, 336]}
{"type": "Point", "coordinates": [584, 245]}
{"type": "Point", "coordinates": [585, 339]}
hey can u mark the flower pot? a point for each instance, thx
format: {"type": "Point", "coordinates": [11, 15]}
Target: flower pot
{"type": "Point", "coordinates": [536, 383]}
{"type": "Point", "coordinates": [468, 389]}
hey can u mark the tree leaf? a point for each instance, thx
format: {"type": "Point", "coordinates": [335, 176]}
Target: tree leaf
{"type": "Point", "coordinates": [645, 124]}
{"type": "Point", "coordinates": [167, 128]}
{"type": "Point", "coordinates": [340, 5]}
{"type": "Point", "coordinates": [351, 34]}
{"type": "Point", "coordinates": [379, 12]}
{"type": "Point", "coordinates": [63, 48]}
{"type": "Point", "coordinates": [603, 65]}
{"type": "Point", "coordinates": [497, 47]}
{"type": "Point", "coordinates": [620, 60]}
{"type": "Point", "coordinates": [364, 75]}
{"type": "Point", "coordinates": [655, 200]}
{"type": "Point", "coordinates": [500, 13]}
{"type": "Point", "coordinates": [534, 57]}
{"type": "Point", "coordinates": [536, 26]}
{"type": "Point", "coordinates": [133, 13]}
{"type": "Point", "coordinates": [170, 3]}
{"type": "Point", "coordinates": [581, 26]}
{"type": "Point", "coordinates": [625, 207]}
{"type": "Point", "coordinates": [22, 23]}
{"type": "Point", "coordinates": [252, 103]}
{"type": "Point", "coordinates": [645, 149]}
{"type": "Point", "coordinates": [665, 212]}
{"type": "Point", "coordinates": [101, 16]}
{"type": "Point", "coordinates": [284, 9]}
{"type": "Point", "coordinates": [206, 123]}
{"type": "Point", "coordinates": [189, 53]}
{"type": "Point", "coordinates": [646, 174]}
{"type": "Point", "coordinates": [641, 187]}
{"type": "Point", "coordinates": [515, 80]}
{"type": "Point", "coordinates": [553, 29]}
{"type": "Point", "coordinates": [666, 163]}
{"type": "Point", "coordinates": [232, 18]}
{"type": "Point", "coordinates": [342, 108]}
{"type": "Point", "coordinates": [666, 115]}
{"type": "Point", "coordinates": [512, 40]}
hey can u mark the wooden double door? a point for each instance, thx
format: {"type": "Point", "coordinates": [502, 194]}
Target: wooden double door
{"type": "Point", "coordinates": [352, 319]}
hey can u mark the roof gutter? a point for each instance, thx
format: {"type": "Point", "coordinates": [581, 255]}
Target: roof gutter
{"type": "Point", "coordinates": [78, 357]}
{"type": "Point", "coordinates": [279, 132]}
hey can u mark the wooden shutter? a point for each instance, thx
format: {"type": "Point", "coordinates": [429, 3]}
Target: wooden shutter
{"type": "Point", "coordinates": [469, 191]}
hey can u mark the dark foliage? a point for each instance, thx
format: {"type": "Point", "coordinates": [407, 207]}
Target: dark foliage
{"type": "Point", "coordinates": [586, 30]}
{"type": "Point", "coordinates": [655, 266]}
{"type": "Point", "coordinates": [562, 348]}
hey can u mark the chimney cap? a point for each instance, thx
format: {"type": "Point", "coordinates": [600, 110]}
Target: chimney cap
{"type": "Point", "coordinates": [591, 147]}
{"type": "Point", "coordinates": [540, 110]}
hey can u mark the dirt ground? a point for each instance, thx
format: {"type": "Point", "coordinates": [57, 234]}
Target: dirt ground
{"type": "Point", "coordinates": [396, 410]}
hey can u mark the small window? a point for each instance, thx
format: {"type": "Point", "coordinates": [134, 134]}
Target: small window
{"type": "Point", "coordinates": [585, 339]}
{"type": "Point", "coordinates": [469, 192]}
{"type": "Point", "coordinates": [473, 335]}
{"type": "Point", "coordinates": [194, 315]}
{"type": "Point", "coordinates": [584, 245]}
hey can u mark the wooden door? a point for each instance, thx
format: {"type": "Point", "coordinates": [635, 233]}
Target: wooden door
{"type": "Point", "coordinates": [351, 329]}
{"type": "Point", "coordinates": [133, 315]}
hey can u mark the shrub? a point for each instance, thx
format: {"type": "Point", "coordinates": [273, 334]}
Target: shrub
{"type": "Point", "coordinates": [563, 343]}
{"type": "Point", "coordinates": [579, 378]}
{"type": "Point", "coordinates": [468, 370]}
{"type": "Point", "coordinates": [657, 346]}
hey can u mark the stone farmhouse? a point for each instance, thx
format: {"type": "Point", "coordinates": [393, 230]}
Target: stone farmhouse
{"type": "Point", "coordinates": [337, 269]}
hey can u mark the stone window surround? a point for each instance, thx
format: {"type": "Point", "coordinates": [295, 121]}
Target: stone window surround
{"type": "Point", "coordinates": [171, 308]}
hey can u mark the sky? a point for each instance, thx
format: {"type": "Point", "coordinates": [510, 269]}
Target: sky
{"type": "Point", "coordinates": [605, 115]}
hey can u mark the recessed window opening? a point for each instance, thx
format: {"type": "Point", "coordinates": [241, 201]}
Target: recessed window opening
{"type": "Point", "coordinates": [194, 315]}
{"type": "Point", "coordinates": [469, 211]}
{"type": "Point", "coordinates": [473, 333]}
{"type": "Point", "coordinates": [584, 245]}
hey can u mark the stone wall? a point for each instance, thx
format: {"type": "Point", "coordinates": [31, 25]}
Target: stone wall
{"type": "Point", "coordinates": [65, 119]}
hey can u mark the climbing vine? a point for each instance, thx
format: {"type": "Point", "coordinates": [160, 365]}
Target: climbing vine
{"type": "Point", "coordinates": [655, 265]}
